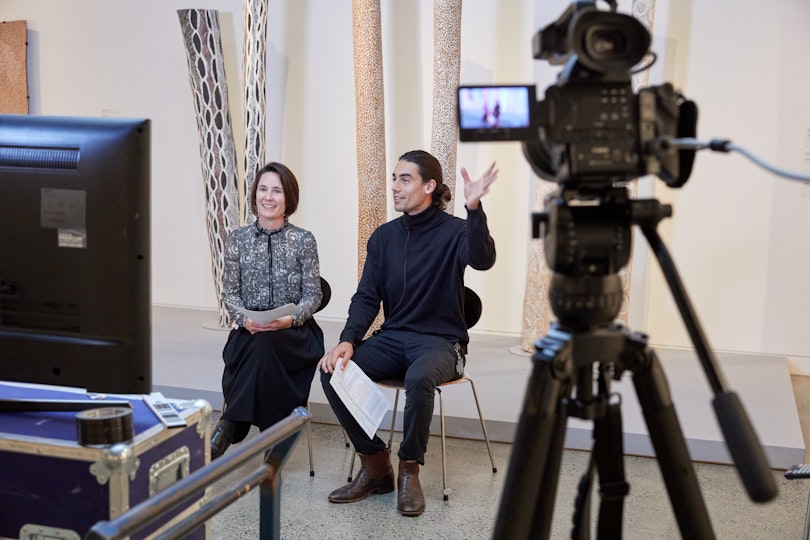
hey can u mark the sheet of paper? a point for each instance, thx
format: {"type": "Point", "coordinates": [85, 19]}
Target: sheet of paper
{"type": "Point", "coordinates": [364, 399]}
{"type": "Point", "coordinates": [264, 317]}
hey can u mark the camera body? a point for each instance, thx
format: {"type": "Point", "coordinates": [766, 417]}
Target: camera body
{"type": "Point", "coordinates": [590, 129]}
{"type": "Point", "coordinates": [599, 133]}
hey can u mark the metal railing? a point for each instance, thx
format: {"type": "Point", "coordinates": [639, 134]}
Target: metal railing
{"type": "Point", "coordinates": [174, 497]}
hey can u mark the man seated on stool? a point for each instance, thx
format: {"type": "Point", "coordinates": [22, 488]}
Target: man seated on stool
{"type": "Point", "coordinates": [415, 267]}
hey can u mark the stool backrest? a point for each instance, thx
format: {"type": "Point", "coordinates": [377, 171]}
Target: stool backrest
{"type": "Point", "coordinates": [326, 292]}
{"type": "Point", "coordinates": [472, 307]}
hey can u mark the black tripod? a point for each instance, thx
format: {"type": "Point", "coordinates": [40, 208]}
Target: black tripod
{"type": "Point", "coordinates": [586, 244]}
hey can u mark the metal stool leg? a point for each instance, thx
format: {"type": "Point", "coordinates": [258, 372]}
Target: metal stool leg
{"type": "Point", "coordinates": [348, 444]}
{"type": "Point", "coordinates": [483, 425]}
{"type": "Point", "coordinates": [351, 466]}
{"type": "Point", "coordinates": [807, 520]}
{"type": "Point", "coordinates": [345, 438]}
{"type": "Point", "coordinates": [309, 445]}
{"type": "Point", "coordinates": [393, 420]}
{"type": "Point", "coordinates": [445, 490]}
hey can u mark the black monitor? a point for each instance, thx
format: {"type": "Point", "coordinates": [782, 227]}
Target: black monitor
{"type": "Point", "coordinates": [75, 305]}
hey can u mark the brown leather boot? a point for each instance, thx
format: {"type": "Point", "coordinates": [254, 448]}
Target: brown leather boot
{"type": "Point", "coordinates": [410, 500]}
{"type": "Point", "coordinates": [375, 476]}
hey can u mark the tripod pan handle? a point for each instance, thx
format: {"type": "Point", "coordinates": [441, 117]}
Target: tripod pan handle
{"type": "Point", "coordinates": [744, 446]}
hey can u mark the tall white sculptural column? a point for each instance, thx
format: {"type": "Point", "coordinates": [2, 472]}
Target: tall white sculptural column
{"type": "Point", "coordinates": [370, 118]}
{"type": "Point", "coordinates": [446, 72]}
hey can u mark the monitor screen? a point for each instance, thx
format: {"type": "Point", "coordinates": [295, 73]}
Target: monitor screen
{"type": "Point", "coordinates": [496, 113]}
{"type": "Point", "coordinates": [75, 304]}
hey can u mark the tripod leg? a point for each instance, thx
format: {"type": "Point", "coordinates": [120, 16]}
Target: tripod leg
{"type": "Point", "coordinates": [613, 487]}
{"type": "Point", "coordinates": [670, 447]}
{"type": "Point", "coordinates": [527, 501]}
{"type": "Point", "coordinates": [547, 494]}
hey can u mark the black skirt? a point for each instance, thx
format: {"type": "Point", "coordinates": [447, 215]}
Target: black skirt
{"type": "Point", "coordinates": [268, 374]}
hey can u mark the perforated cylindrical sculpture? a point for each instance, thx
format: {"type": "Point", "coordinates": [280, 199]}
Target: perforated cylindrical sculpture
{"type": "Point", "coordinates": [253, 88]}
{"type": "Point", "coordinates": [201, 35]}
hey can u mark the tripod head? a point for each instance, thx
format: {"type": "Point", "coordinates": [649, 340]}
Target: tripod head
{"type": "Point", "coordinates": [587, 238]}
{"type": "Point", "coordinates": [587, 241]}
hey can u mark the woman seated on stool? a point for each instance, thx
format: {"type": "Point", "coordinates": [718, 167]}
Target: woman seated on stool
{"type": "Point", "coordinates": [268, 367]}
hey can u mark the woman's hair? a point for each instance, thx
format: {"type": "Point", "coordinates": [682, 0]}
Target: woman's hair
{"type": "Point", "coordinates": [288, 183]}
{"type": "Point", "coordinates": [430, 168]}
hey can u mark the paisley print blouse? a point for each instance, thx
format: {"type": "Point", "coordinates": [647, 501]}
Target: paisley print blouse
{"type": "Point", "coordinates": [265, 269]}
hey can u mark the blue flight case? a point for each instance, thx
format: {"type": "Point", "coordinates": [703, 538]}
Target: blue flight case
{"type": "Point", "coordinates": [53, 487]}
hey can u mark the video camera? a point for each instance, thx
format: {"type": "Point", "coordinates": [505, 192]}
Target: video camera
{"type": "Point", "coordinates": [591, 134]}
{"type": "Point", "coordinates": [591, 130]}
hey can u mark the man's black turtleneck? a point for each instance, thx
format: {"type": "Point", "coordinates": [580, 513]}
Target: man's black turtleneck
{"type": "Point", "coordinates": [415, 267]}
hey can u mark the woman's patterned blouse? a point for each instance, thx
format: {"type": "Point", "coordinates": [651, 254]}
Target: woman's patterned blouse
{"type": "Point", "coordinates": [265, 269]}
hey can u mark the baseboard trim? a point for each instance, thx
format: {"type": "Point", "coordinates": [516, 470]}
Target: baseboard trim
{"type": "Point", "coordinates": [576, 438]}
{"type": "Point", "coordinates": [703, 451]}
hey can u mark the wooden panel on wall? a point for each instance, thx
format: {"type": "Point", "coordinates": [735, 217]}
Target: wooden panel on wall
{"type": "Point", "coordinates": [13, 72]}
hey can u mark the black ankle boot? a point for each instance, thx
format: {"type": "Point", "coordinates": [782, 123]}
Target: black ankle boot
{"type": "Point", "coordinates": [221, 438]}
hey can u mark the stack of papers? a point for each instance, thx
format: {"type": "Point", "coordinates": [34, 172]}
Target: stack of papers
{"type": "Point", "coordinates": [364, 399]}
{"type": "Point", "coordinates": [264, 317]}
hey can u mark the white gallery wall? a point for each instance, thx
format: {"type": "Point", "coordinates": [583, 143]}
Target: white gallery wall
{"type": "Point", "coordinates": [737, 233]}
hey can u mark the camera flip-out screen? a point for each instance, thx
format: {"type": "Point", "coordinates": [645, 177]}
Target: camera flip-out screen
{"type": "Point", "coordinates": [496, 113]}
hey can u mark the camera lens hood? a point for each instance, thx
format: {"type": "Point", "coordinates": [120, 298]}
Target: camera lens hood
{"type": "Point", "coordinates": [608, 42]}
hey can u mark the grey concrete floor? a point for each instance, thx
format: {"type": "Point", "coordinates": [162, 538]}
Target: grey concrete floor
{"type": "Point", "coordinates": [473, 504]}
